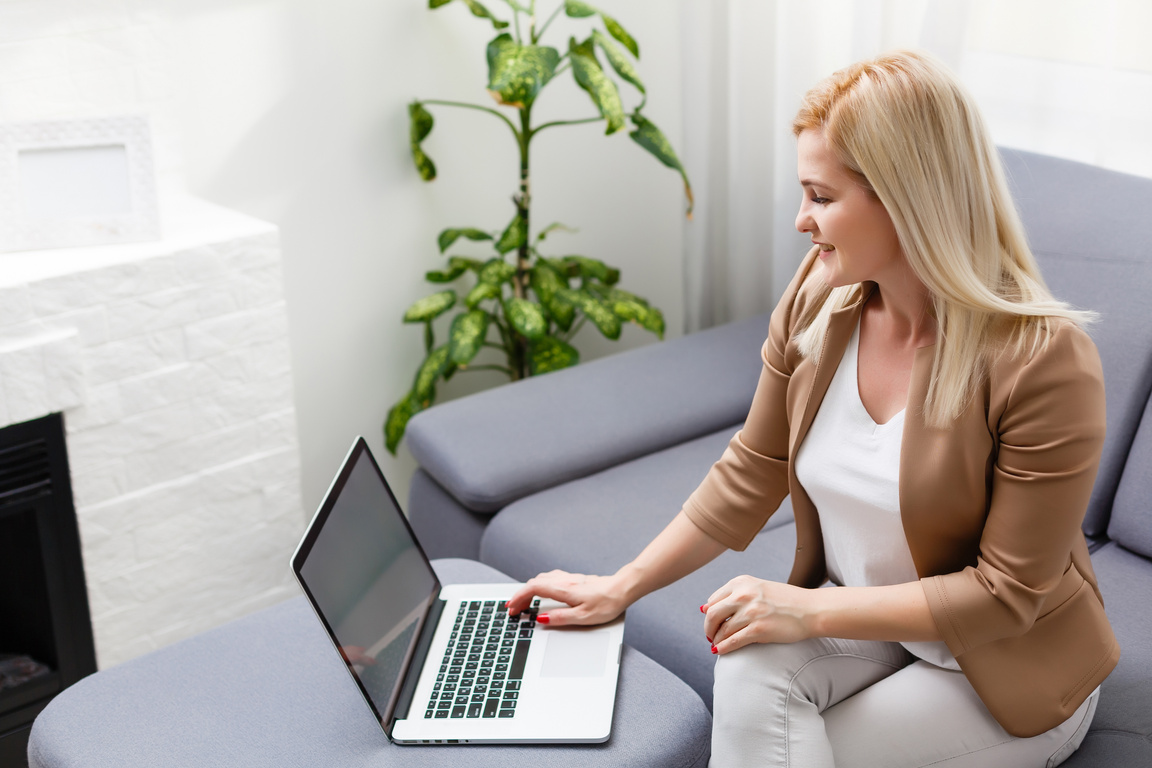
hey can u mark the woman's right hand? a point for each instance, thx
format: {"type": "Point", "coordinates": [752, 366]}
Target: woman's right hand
{"type": "Point", "coordinates": [591, 599]}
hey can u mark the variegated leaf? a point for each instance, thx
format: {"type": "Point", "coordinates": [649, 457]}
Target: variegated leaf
{"type": "Point", "coordinates": [578, 9]}
{"type": "Point", "coordinates": [595, 269]}
{"type": "Point", "coordinates": [516, 73]}
{"type": "Point", "coordinates": [430, 307]}
{"type": "Point", "coordinates": [589, 76]}
{"type": "Point", "coordinates": [618, 60]}
{"type": "Point", "coordinates": [476, 8]}
{"type": "Point", "coordinates": [397, 421]}
{"type": "Point", "coordinates": [420, 125]}
{"type": "Point", "coordinates": [652, 139]}
{"type": "Point", "coordinates": [526, 317]}
{"type": "Point", "coordinates": [449, 236]}
{"type": "Point", "coordinates": [497, 271]}
{"type": "Point", "coordinates": [514, 236]}
{"type": "Point", "coordinates": [595, 310]}
{"type": "Point", "coordinates": [553, 227]}
{"type": "Point", "coordinates": [466, 336]}
{"type": "Point", "coordinates": [546, 282]}
{"type": "Point", "coordinates": [481, 292]}
{"type": "Point", "coordinates": [424, 388]}
{"type": "Point", "coordinates": [549, 354]}
{"type": "Point", "coordinates": [620, 34]}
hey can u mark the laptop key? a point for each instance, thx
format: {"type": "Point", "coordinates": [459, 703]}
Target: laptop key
{"type": "Point", "coordinates": [474, 710]}
{"type": "Point", "coordinates": [507, 713]}
{"type": "Point", "coordinates": [490, 707]}
{"type": "Point", "coordinates": [458, 711]}
{"type": "Point", "coordinates": [441, 713]}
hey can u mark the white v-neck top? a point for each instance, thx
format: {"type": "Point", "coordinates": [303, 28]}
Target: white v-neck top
{"type": "Point", "coordinates": [850, 467]}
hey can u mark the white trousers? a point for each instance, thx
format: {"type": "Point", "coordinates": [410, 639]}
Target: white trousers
{"type": "Point", "coordinates": [854, 704]}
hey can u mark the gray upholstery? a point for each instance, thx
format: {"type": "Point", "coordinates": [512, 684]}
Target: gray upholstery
{"type": "Point", "coordinates": [450, 529]}
{"type": "Point", "coordinates": [599, 492]}
{"type": "Point", "coordinates": [1091, 231]}
{"type": "Point", "coordinates": [598, 523]}
{"type": "Point", "coordinates": [269, 690]}
{"type": "Point", "coordinates": [600, 414]}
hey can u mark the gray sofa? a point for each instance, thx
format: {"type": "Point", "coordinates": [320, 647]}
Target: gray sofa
{"type": "Point", "coordinates": [579, 469]}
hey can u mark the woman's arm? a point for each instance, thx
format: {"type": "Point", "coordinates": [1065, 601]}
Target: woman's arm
{"type": "Point", "coordinates": [749, 610]}
{"type": "Point", "coordinates": [678, 550]}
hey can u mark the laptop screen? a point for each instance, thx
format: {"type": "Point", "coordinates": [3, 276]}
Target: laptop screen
{"type": "Point", "coordinates": [369, 581]}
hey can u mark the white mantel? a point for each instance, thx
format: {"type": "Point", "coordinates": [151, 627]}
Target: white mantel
{"type": "Point", "coordinates": [170, 363]}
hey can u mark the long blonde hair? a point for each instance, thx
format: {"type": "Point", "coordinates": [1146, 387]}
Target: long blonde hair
{"type": "Point", "coordinates": [907, 129]}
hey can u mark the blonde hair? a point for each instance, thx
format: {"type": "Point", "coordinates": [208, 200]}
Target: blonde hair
{"type": "Point", "coordinates": [906, 128]}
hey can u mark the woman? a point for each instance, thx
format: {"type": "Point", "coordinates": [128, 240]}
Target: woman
{"type": "Point", "coordinates": [937, 418]}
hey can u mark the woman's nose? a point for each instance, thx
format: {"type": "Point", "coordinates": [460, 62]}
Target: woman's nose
{"type": "Point", "coordinates": [803, 221]}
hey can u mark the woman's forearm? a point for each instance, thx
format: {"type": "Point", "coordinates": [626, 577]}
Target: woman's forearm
{"type": "Point", "coordinates": [677, 551]}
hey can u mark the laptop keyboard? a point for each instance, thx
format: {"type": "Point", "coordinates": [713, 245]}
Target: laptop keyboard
{"type": "Point", "coordinates": [484, 663]}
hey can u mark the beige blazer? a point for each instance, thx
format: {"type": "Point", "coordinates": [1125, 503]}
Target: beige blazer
{"type": "Point", "coordinates": [991, 507]}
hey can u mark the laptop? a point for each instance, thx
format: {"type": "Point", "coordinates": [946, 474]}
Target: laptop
{"type": "Point", "coordinates": [444, 664]}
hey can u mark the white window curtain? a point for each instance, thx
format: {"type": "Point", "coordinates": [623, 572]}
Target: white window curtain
{"type": "Point", "coordinates": [1063, 77]}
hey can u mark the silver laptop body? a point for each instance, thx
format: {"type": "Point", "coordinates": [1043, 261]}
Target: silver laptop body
{"type": "Point", "coordinates": [446, 664]}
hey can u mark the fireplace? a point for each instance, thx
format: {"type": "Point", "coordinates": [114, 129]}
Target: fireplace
{"type": "Point", "coordinates": [45, 629]}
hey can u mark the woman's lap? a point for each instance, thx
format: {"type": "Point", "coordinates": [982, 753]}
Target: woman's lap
{"type": "Point", "coordinates": [860, 704]}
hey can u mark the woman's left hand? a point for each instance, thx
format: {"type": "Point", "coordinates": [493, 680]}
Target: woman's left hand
{"type": "Point", "coordinates": [749, 610]}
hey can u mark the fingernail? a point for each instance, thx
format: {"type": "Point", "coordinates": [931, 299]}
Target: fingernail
{"type": "Point", "coordinates": [708, 639]}
{"type": "Point", "coordinates": [543, 618]}
{"type": "Point", "coordinates": [713, 649]}
{"type": "Point", "coordinates": [703, 609]}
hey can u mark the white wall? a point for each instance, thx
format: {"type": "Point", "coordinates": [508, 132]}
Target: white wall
{"type": "Point", "coordinates": [294, 111]}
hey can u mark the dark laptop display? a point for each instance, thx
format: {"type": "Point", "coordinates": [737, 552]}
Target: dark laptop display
{"type": "Point", "coordinates": [370, 582]}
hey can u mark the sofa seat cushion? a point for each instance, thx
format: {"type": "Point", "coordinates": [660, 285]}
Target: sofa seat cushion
{"type": "Point", "coordinates": [599, 523]}
{"type": "Point", "coordinates": [268, 690]}
{"type": "Point", "coordinates": [1121, 733]}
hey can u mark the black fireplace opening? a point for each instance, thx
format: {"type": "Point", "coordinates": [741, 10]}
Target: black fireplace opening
{"type": "Point", "coordinates": [45, 628]}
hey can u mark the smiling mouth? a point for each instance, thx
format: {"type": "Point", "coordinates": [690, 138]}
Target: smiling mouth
{"type": "Point", "coordinates": [825, 247]}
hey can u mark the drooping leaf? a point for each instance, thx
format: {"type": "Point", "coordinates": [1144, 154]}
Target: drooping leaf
{"type": "Point", "coordinates": [618, 60]}
{"type": "Point", "coordinates": [466, 336]}
{"type": "Point", "coordinates": [546, 282]}
{"type": "Point", "coordinates": [445, 275]}
{"type": "Point", "coordinates": [460, 261]}
{"type": "Point", "coordinates": [648, 318]}
{"type": "Point", "coordinates": [430, 307]}
{"type": "Point", "coordinates": [594, 269]}
{"type": "Point", "coordinates": [590, 76]}
{"type": "Point", "coordinates": [516, 73]}
{"type": "Point", "coordinates": [549, 354]}
{"type": "Point", "coordinates": [481, 292]}
{"type": "Point", "coordinates": [553, 227]}
{"type": "Point", "coordinates": [419, 126]}
{"type": "Point", "coordinates": [497, 271]}
{"type": "Point", "coordinates": [526, 317]}
{"type": "Point", "coordinates": [449, 236]}
{"type": "Point", "coordinates": [514, 236]}
{"type": "Point", "coordinates": [397, 421]}
{"type": "Point", "coordinates": [578, 9]}
{"type": "Point", "coordinates": [477, 9]}
{"type": "Point", "coordinates": [561, 267]}
{"type": "Point", "coordinates": [595, 310]}
{"type": "Point", "coordinates": [620, 34]}
{"type": "Point", "coordinates": [652, 139]}
{"type": "Point", "coordinates": [424, 387]}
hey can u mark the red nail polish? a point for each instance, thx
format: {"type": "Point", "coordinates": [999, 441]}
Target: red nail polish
{"type": "Point", "coordinates": [708, 639]}
{"type": "Point", "coordinates": [543, 618]}
{"type": "Point", "coordinates": [703, 609]}
{"type": "Point", "coordinates": [713, 649]}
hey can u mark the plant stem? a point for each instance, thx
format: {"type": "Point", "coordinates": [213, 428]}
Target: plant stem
{"type": "Point", "coordinates": [532, 27]}
{"type": "Point", "coordinates": [489, 110]}
{"type": "Point", "coordinates": [555, 13]}
{"type": "Point", "coordinates": [539, 128]}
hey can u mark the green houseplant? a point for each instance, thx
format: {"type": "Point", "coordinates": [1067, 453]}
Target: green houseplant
{"type": "Point", "coordinates": [524, 303]}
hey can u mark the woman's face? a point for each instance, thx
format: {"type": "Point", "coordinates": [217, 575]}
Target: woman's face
{"type": "Point", "coordinates": [853, 229]}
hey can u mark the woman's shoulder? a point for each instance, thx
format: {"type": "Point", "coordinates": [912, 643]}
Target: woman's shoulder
{"type": "Point", "coordinates": [1056, 353]}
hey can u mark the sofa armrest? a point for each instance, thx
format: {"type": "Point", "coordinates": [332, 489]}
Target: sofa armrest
{"type": "Point", "coordinates": [494, 447]}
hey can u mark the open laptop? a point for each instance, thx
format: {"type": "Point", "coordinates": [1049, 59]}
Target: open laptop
{"type": "Point", "coordinates": [446, 664]}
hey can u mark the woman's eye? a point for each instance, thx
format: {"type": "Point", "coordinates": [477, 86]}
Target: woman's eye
{"type": "Point", "coordinates": [819, 200]}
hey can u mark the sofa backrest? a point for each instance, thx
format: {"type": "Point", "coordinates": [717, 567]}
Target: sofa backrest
{"type": "Point", "coordinates": [1091, 230]}
{"type": "Point", "coordinates": [1131, 522]}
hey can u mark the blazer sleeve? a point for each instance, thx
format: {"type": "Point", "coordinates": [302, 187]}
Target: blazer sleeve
{"type": "Point", "coordinates": [747, 484]}
{"type": "Point", "coordinates": [1050, 435]}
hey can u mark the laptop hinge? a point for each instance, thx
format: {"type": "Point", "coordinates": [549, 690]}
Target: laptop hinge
{"type": "Point", "coordinates": [420, 654]}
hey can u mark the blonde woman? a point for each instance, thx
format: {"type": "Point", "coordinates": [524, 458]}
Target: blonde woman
{"type": "Point", "coordinates": [937, 417]}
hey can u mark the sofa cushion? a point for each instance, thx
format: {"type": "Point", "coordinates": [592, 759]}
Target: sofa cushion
{"type": "Point", "coordinates": [590, 417]}
{"type": "Point", "coordinates": [1092, 235]}
{"type": "Point", "coordinates": [1121, 733]}
{"type": "Point", "coordinates": [598, 523]}
{"type": "Point", "coordinates": [1131, 522]}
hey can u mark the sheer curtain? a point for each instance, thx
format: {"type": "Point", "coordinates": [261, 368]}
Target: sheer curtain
{"type": "Point", "coordinates": [1062, 77]}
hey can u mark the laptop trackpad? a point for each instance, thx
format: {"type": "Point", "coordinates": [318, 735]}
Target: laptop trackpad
{"type": "Point", "coordinates": [578, 653]}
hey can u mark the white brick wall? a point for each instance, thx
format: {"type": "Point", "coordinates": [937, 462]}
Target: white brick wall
{"type": "Point", "coordinates": [170, 362]}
